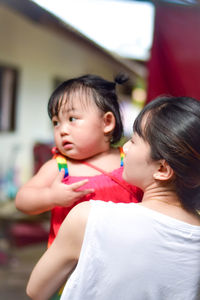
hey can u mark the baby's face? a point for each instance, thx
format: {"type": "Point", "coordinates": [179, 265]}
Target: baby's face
{"type": "Point", "coordinates": [78, 128]}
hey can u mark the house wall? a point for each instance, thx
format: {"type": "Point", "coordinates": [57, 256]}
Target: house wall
{"type": "Point", "coordinates": [40, 56]}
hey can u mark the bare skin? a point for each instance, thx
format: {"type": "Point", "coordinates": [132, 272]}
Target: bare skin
{"type": "Point", "coordinates": [45, 190]}
{"type": "Point", "coordinates": [49, 274]}
{"type": "Point", "coordinates": [67, 245]}
{"type": "Point", "coordinates": [74, 137]}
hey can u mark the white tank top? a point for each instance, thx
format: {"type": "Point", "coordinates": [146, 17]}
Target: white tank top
{"type": "Point", "coordinates": [131, 252]}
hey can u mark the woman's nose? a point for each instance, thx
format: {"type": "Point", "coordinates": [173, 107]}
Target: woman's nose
{"type": "Point", "coordinates": [126, 146]}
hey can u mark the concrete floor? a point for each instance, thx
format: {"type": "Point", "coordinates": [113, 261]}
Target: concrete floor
{"type": "Point", "coordinates": [15, 272]}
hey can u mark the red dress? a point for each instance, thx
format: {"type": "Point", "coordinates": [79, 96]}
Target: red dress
{"type": "Point", "coordinates": [107, 186]}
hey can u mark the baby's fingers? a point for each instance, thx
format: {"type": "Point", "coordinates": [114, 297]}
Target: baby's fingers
{"type": "Point", "coordinates": [78, 184]}
{"type": "Point", "coordinates": [81, 193]}
{"type": "Point", "coordinates": [85, 192]}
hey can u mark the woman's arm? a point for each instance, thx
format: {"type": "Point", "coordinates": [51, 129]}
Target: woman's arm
{"type": "Point", "coordinates": [56, 264]}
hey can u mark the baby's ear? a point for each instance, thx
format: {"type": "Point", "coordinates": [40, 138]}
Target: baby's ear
{"type": "Point", "coordinates": [108, 122]}
{"type": "Point", "coordinates": [164, 171]}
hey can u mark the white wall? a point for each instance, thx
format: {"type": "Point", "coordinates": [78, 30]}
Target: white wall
{"type": "Point", "coordinates": [40, 56]}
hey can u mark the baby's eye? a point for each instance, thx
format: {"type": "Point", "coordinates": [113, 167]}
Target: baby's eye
{"type": "Point", "coordinates": [55, 122]}
{"type": "Point", "coordinates": [72, 119]}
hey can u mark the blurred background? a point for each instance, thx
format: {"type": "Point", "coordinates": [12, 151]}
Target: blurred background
{"type": "Point", "coordinates": [42, 43]}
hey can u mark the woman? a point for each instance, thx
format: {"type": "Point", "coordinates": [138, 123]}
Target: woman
{"type": "Point", "coordinates": [134, 251]}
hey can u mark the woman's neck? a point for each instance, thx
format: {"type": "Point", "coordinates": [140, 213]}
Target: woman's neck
{"type": "Point", "coordinates": [166, 201]}
{"type": "Point", "coordinates": [166, 197]}
{"type": "Point", "coordinates": [165, 194]}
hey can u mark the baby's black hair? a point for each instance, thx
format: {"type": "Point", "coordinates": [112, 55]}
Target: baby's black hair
{"type": "Point", "coordinates": [102, 91]}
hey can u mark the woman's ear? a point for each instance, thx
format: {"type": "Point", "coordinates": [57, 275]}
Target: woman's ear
{"type": "Point", "coordinates": [164, 171]}
{"type": "Point", "coordinates": [108, 122]}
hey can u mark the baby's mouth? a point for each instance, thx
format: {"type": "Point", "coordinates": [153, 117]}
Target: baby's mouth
{"type": "Point", "coordinates": [66, 144]}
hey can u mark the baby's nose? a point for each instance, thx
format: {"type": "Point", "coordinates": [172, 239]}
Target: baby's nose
{"type": "Point", "coordinates": [64, 129]}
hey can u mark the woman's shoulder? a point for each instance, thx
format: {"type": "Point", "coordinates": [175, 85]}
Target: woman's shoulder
{"type": "Point", "coordinates": [80, 210]}
{"type": "Point", "coordinates": [77, 219]}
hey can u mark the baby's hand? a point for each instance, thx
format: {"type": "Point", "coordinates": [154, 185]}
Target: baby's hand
{"type": "Point", "coordinates": [64, 194]}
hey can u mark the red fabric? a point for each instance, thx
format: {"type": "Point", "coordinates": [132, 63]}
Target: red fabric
{"type": "Point", "coordinates": [105, 189]}
{"type": "Point", "coordinates": [174, 66]}
{"type": "Point", "coordinates": [114, 178]}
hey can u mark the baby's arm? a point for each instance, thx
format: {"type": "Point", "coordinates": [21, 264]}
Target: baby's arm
{"type": "Point", "coordinates": [57, 263]}
{"type": "Point", "coordinates": [45, 190]}
{"type": "Point", "coordinates": [35, 196]}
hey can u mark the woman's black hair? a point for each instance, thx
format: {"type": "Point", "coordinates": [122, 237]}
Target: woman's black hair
{"type": "Point", "coordinates": [103, 92]}
{"type": "Point", "coordinates": [171, 126]}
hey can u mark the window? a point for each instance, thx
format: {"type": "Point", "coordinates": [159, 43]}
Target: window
{"type": "Point", "coordinates": [8, 86]}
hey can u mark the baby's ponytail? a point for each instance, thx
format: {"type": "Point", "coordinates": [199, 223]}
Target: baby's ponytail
{"type": "Point", "coordinates": [121, 78]}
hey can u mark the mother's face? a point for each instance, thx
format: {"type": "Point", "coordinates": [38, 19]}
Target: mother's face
{"type": "Point", "coordinates": [138, 166]}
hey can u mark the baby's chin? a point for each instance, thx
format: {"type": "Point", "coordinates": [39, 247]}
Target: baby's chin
{"type": "Point", "coordinates": [74, 156]}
